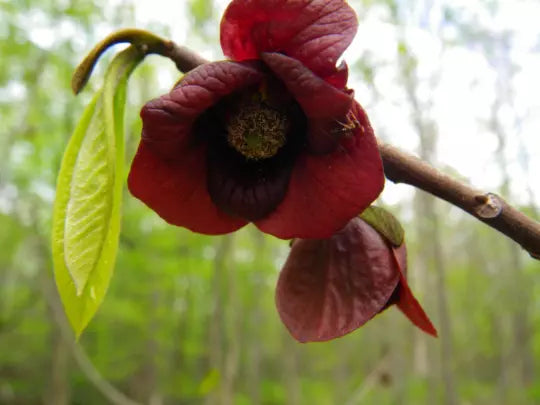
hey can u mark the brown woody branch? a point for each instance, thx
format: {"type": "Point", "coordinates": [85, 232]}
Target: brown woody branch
{"type": "Point", "coordinates": [402, 167]}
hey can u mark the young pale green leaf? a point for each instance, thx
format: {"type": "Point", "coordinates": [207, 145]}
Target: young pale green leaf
{"type": "Point", "coordinates": [385, 223]}
{"type": "Point", "coordinates": [86, 220]}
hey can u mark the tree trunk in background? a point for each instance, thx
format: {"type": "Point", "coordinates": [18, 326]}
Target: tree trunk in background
{"type": "Point", "coordinates": [216, 337]}
{"type": "Point", "coordinates": [178, 359]}
{"type": "Point", "coordinates": [155, 396]}
{"type": "Point", "coordinates": [233, 329]}
{"type": "Point", "coordinates": [519, 285]}
{"type": "Point", "coordinates": [291, 360]}
{"type": "Point", "coordinates": [429, 229]}
{"type": "Point", "coordinates": [58, 392]}
{"type": "Point", "coordinates": [254, 350]}
{"type": "Point", "coordinates": [432, 257]}
{"type": "Point", "coordinates": [151, 372]}
{"type": "Point", "coordinates": [421, 286]}
{"type": "Point", "coordinates": [144, 384]}
{"type": "Point", "coordinates": [291, 375]}
{"type": "Point", "coordinates": [445, 330]}
{"type": "Point", "coordinates": [500, 341]}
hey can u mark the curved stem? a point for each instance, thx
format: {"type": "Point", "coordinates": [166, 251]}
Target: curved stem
{"type": "Point", "coordinates": [146, 42]}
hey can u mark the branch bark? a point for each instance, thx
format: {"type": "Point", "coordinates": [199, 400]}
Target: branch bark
{"type": "Point", "coordinates": [401, 167]}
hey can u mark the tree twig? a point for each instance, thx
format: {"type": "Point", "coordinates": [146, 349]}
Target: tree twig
{"type": "Point", "coordinates": [402, 167]}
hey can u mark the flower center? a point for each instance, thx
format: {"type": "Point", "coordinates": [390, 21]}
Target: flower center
{"type": "Point", "coordinates": [257, 131]}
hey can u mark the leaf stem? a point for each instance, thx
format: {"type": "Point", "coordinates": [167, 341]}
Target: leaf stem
{"type": "Point", "coordinates": [146, 42]}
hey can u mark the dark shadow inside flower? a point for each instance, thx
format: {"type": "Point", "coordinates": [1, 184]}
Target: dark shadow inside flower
{"type": "Point", "coordinates": [249, 160]}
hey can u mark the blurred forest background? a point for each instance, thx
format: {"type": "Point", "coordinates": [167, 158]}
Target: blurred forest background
{"type": "Point", "coordinates": [190, 319]}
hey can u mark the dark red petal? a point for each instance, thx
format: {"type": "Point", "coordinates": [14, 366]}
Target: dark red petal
{"type": "Point", "coordinates": [316, 32]}
{"type": "Point", "coordinates": [330, 287]}
{"type": "Point", "coordinates": [324, 105]}
{"type": "Point", "coordinates": [244, 188]}
{"type": "Point", "coordinates": [406, 301]}
{"type": "Point", "coordinates": [326, 191]}
{"type": "Point", "coordinates": [339, 78]}
{"type": "Point", "coordinates": [317, 98]}
{"type": "Point", "coordinates": [176, 190]}
{"type": "Point", "coordinates": [168, 120]}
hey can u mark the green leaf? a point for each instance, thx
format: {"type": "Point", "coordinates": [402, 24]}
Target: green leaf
{"type": "Point", "coordinates": [86, 219]}
{"type": "Point", "coordinates": [385, 223]}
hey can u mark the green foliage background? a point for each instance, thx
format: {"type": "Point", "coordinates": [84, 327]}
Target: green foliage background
{"type": "Point", "coordinates": [190, 319]}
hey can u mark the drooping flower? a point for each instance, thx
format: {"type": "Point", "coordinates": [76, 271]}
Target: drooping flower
{"type": "Point", "coordinates": [330, 287]}
{"type": "Point", "coordinates": [272, 136]}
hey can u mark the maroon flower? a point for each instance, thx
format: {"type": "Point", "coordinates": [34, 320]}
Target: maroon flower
{"type": "Point", "coordinates": [273, 137]}
{"type": "Point", "coordinates": [330, 287]}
